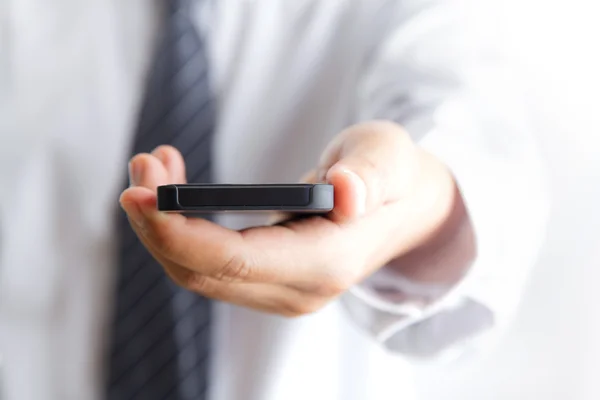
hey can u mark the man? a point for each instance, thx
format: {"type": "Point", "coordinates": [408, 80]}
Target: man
{"type": "Point", "coordinates": [438, 216]}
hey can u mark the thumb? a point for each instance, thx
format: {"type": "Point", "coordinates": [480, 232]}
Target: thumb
{"type": "Point", "coordinates": [369, 165]}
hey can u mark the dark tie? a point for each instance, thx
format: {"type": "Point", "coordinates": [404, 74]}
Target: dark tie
{"type": "Point", "coordinates": [160, 337]}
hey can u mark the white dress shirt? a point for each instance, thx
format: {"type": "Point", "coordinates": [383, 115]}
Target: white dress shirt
{"type": "Point", "coordinates": [289, 76]}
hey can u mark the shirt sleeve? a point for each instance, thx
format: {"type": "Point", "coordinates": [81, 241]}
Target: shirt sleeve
{"type": "Point", "coordinates": [454, 94]}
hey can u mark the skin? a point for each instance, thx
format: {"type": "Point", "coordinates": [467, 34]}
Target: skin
{"type": "Point", "coordinates": [395, 205]}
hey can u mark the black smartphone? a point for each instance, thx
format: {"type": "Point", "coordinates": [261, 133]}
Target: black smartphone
{"type": "Point", "coordinates": [293, 198]}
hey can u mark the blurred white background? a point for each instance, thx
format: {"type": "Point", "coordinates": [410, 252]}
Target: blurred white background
{"type": "Point", "coordinates": [552, 350]}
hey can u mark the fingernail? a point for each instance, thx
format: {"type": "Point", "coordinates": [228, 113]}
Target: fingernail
{"type": "Point", "coordinates": [360, 191]}
{"type": "Point", "coordinates": [134, 173]}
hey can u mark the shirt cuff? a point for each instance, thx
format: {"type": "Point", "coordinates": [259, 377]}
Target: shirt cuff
{"type": "Point", "coordinates": [418, 320]}
{"type": "Point", "coordinates": [425, 321]}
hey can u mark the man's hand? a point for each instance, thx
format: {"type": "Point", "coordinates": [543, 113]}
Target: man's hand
{"type": "Point", "coordinates": [391, 198]}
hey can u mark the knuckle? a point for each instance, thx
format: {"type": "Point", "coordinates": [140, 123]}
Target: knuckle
{"type": "Point", "coordinates": [234, 268]}
{"type": "Point", "coordinates": [196, 282]}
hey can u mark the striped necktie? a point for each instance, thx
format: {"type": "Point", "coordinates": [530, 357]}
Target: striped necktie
{"type": "Point", "coordinates": [160, 334]}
